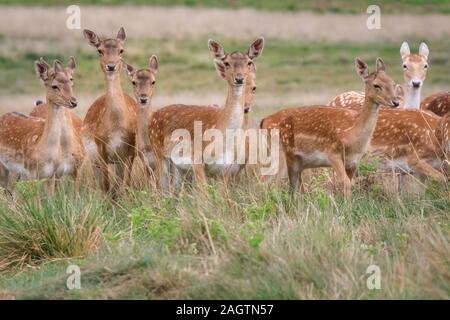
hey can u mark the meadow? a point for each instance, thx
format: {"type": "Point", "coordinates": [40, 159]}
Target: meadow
{"type": "Point", "coordinates": [250, 239]}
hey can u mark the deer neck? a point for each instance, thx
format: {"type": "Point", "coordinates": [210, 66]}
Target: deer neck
{"type": "Point", "coordinates": [366, 121]}
{"type": "Point", "coordinates": [114, 96]}
{"type": "Point", "coordinates": [66, 132]}
{"type": "Point", "coordinates": [51, 137]}
{"type": "Point", "coordinates": [412, 97]}
{"type": "Point", "coordinates": [232, 115]}
{"type": "Point", "coordinates": [142, 126]}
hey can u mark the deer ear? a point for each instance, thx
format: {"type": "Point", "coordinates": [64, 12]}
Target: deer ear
{"type": "Point", "coordinates": [220, 67]}
{"type": "Point", "coordinates": [423, 50]}
{"type": "Point", "coordinates": [42, 68]}
{"type": "Point", "coordinates": [128, 68]}
{"type": "Point", "coordinates": [216, 49]}
{"type": "Point", "coordinates": [256, 48]}
{"type": "Point", "coordinates": [404, 49]}
{"type": "Point", "coordinates": [121, 35]}
{"type": "Point", "coordinates": [58, 67]}
{"type": "Point", "coordinates": [153, 64]}
{"type": "Point", "coordinates": [399, 92]}
{"type": "Point", "coordinates": [380, 65]}
{"type": "Point", "coordinates": [361, 68]}
{"type": "Point", "coordinates": [71, 64]}
{"type": "Point", "coordinates": [92, 38]}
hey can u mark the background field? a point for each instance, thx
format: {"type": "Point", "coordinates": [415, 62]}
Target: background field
{"type": "Point", "coordinates": [248, 240]}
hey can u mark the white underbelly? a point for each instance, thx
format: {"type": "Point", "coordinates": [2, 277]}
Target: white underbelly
{"type": "Point", "coordinates": [314, 159]}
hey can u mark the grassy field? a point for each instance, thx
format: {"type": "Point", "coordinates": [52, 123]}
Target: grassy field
{"type": "Point", "coordinates": [321, 6]}
{"type": "Point", "coordinates": [247, 240]}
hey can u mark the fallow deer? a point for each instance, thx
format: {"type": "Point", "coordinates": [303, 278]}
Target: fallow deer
{"type": "Point", "coordinates": [72, 147]}
{"type": "Point", "coordinates": [415, 67]}
{"type": "Point", "coordinates": [32, 147]}
{"type": "Point", "coordinates": [321, 136]}
{"type": "Point", "coordinates": [235, 68]}
{"type": "Point", "coordinates": [438, 103]}
{"type": "Point", "coordinates": [109, 128]}
{"type": "Point", "coordinates": [143, 81]}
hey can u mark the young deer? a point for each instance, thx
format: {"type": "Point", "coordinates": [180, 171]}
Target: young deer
{"type": "Point", "coordinates": [438, 103]}
{"type": "Point", "coordinates": [235, 68]}
{"type": "Point", "coordinates": [32, 147]}
{"type": "Point", "coordinates": [109, 128]}
{"type": "Point", "coordinates": [143, 81]}
{"type": "Point", "coordinates": [320, 136]}
{"type": "Point", "coordinates": [72, 147]}
{"type": "Point", "coordinates": [415, 67]}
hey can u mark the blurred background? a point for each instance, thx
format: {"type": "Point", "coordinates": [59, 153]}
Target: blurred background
{"type": "Point", "coordinates": [308, 57]}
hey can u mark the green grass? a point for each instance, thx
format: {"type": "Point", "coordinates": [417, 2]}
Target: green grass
{"type": "Point", "coordinates": [321, 6]}
{"type": "Point", "coordinates": [284, 67]}
{"type": "Point", "coordinates": [246, 241]}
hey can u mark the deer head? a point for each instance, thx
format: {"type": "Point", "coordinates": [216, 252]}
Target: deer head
{"type": "Point", "coordinates": [58, 82]}
{"type": "Point", "coordinates": [415, 66]}
{"type": "Point", "coordinates": [110, 50]}
{"type": "Point", "coordinates": [143, 80]}
{"type": "Point", "coordinates": [380, 88]}
{"type": "Point", "coordinates": [237, 68]}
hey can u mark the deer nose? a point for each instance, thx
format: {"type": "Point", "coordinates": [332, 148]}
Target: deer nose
{"type": "Point", "coordinates": [110, 67]}
{"type": "Point", "coordinates": [395, 103]}
{"type": "Point", "coordinates": [143, 99]}
{"type": "Point", "coordinates": [73, 102]}
{"type": "Point", "coordinates": [239, 79]}
{"type": "Point", "coordinates": [416, 84]}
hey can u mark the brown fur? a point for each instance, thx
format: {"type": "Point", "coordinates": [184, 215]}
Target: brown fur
{"type": "Point", "coordinates": [438, 103]}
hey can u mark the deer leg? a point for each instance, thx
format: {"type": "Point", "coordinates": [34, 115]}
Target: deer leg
{"type": "Point", "coordinates": [294, 172]}
{"type": "Point", "coordinates": [424, 168]}
{"type": "Point", "coordinates": [4, 177]}
{"type": "Point", "coordinates": [103, 163]}
{"type": "Point", "coordinates": [339, 168]}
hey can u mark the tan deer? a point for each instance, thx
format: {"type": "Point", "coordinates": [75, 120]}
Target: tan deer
{"type": "Point", "coordinates": [235, 68]}
{"type": "Point", "coordinates": [33, 147]}
{"type": "Point", "coordinates": [143, 81]}
{"type": "Point", "coordinates": [415, 67]}
{"type": "Point", "coordinates": [438, 103]}
{"type": "Point", "coordinates": [109, 128]}
{"type": "Point", "coordinates": [320, 136]}
{"type": "Point", "coordinates": [73, 151]}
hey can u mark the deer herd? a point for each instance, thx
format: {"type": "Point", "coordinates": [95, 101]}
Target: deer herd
{"type": "Point", "coordinates": [386, 120]}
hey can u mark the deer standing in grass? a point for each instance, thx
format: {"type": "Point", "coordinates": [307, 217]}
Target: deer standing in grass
{"type": "Point", "coordinates": [320, 136]}
{"type": "Point", "coordinates": [415, 67]}
{"type": "Point", "coordinates": [33, 147]}
{"type": "Point", "coordinates": [235, 68]}
{"type": "Point", "coordinates": [109, 128]}
{"type": "Point", "coordinates": [73, 151]}
{"type": "Point", "coordinates": [143, 81]}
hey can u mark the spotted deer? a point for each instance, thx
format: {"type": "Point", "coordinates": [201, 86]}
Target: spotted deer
{"type": "Point", "coordinates": [320, 136]}
{"type": "Point", "coordinates": [438, 103]}
{"type": "Point", "coordinates": [235, 68]}
{"type": "Point", "coordinates": [143, 81]}
{"type": "Point", "coordinates": [72, 147]}
{"type": "Point", "coordinates": [108, 131]}
{"type": "Point", "coordinates": [415, 67]}
{"type": "Point", "coordinates": [33, 147]}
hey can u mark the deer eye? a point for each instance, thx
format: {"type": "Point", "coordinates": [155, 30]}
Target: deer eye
{"type": "Point", "coordinates": [55, 88]}
{"type": "Point", "coordinates": [121, 51]}
{"type": "Point", "coordinates": [133, 83]}
{"type": "Point", "coordinates": [405, 66]}
{"type": "Point", "coordinates": [153, 82]}
{"type": "Point", "coordinates": [226, 64]}
{"type": "Point", "coordinates": [425, 66]}
{"type": "Point", "coordinates": [100, 51]}
{"type": "Point", "coordinates": [376, 86]}
{"type": "Point", "coordinates": [254, 89]}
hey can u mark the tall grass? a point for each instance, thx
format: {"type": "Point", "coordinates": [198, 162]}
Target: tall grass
{"type": "Point", "coordinates": [250, 239]}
